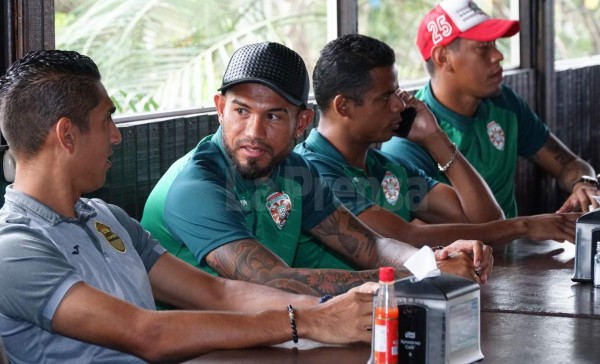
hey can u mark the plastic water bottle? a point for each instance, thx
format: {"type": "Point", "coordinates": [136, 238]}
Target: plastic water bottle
{"type": "Point", "coordinates": [385, 343]}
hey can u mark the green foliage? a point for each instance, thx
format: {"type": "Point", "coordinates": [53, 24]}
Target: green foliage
{"type": "Point", "coordinates": [172, 53]}
{"type": "Point", "coordinates": [396, 23]}
{"type": "Point", "coordinates": [577, 28]}
{"type": "Point", "coordinates": [136, 103]}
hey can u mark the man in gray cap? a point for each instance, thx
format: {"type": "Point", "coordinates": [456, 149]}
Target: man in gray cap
{"type": "Point", "coordinates": [240, 202]}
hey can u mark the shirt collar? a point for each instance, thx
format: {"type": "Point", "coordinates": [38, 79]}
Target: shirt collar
{"type": "Point", "coordinates": [317, 143]}
{"type": "Point", "coordinates": [26, 202]}
{"type": "Point", "coordinates": [461, 122]}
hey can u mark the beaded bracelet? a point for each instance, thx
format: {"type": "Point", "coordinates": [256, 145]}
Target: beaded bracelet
{"type": "Point", "coordinates": [293, 323]}
{"type": "Point", "coordinates": [447, 165]}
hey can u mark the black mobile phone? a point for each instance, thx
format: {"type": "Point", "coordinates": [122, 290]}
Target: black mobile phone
{"type": "Point", "coordinates": [408, 116]}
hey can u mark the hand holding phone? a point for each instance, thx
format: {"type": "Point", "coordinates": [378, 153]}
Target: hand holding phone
{"type": "Point", "coordinates": [408, 116]}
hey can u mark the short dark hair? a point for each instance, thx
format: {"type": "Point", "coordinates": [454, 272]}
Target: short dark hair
{"type": "Point", "coordinates": [453, 46]}
{"type": "Point", "coordinates": [39, 89]}
{"type": "Point", "coordinates": [344, 65]}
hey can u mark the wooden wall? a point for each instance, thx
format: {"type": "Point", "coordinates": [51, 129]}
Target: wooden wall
{"type": "Point", "coordinates": [576, 124]}
{"type": "Point", "coordinates": [145, 154]}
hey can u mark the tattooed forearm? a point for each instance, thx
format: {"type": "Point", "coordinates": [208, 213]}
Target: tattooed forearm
{"type": "Point", "coordinates": [559, 153]}
{"type": "Point", "coordinates": [572, 166]}
{"type": "Point", "coordinates": [348, 235]}
{"type": "Point", "coordinates": [355, 225]}
{"type": "Point", "coordinates": [330, 226]}
{"type": "Point", "coordinates": [248, 260]}
{"type": "Point", "coordinates": [561, 163]}
{"type": "Point", "coordinates": [333, 281]}
{"type": "Point", "coordinates": [241, 259]}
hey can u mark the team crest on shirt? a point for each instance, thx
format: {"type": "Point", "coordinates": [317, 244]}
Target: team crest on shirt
{"type": "Point", "coordinates": [279, 205]}
{"type": "Point", "coordinates": [113, 239]}
{"type": "Point", "coordinates": [391, 188]}
{"type": "Point", "coordinates": [496, 135]}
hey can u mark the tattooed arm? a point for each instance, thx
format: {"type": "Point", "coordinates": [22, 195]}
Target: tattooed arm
{"type": "Point", "coordinates": [346, 234]}
{"type": "Point", "coordinates": [249, 260]}
{"type": "Point", "coordinates": [555, 158]}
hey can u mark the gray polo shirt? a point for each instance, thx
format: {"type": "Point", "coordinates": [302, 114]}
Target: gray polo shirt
{"type": "Point", "coordinates": [43, 254]}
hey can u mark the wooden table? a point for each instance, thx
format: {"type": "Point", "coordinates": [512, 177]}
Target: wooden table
{"type": "Point", "coordinates": [531, 312]}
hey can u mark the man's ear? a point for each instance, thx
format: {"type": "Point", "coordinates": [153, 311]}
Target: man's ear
{"type": "Point", "coordinates": [303, 121]}
{"type": "Point", "coordinates": [440, 57]}
{"type": "Point", "coordinates": [219, 100]}
{"type": "Point", "coordinates": [66, 133]}
{"type": "Point", "coordinates": [340, 105]}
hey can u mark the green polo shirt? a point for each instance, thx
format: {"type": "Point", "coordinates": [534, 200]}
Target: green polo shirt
{"type": "Point", "coordinates": [397, 187]}
{"type": "Point", "coordinates": [202, 203]}
{"type": "Point", "coordinates": [502, 128]}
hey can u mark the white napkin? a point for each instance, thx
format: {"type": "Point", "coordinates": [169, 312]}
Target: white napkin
{"type": "Point", "coordinates": [597, 198]}
{"type": "Point", "coordinates": [422, 264]}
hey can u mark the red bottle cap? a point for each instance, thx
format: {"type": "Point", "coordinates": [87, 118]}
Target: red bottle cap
{"type": "Point", "coordinates": [386, 274]}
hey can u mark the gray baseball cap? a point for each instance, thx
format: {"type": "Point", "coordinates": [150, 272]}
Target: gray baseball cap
{"type": "Point", "coordinates": [271, 64]}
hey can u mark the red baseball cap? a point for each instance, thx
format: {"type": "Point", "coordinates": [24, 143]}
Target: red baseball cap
{"type": "Point", "coordinates": [452, 19]}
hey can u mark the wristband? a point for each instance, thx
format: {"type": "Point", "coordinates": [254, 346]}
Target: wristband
{"type": "Point", "coordinates": [586, 179]}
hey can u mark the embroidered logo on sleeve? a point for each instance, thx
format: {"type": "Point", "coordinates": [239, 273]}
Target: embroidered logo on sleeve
{"type": "Point", "coordinates": [279, 205]}
{"type": "Point", "coordinates": [391, 188]}
{"type": "Point", "coordinates": [496, 135]}
{"type": "Point", "coordinates": [113, 239]}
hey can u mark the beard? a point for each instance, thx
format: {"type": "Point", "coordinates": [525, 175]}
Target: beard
{"type": "Point", "coordinates": [252, 169]}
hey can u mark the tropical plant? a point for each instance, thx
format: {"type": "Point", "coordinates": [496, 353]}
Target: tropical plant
{"type": "Point", "coordinates": [170, 54]}
{"type": "Point", "coordinates": [577, 28]}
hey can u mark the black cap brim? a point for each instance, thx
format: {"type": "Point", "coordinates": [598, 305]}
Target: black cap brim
{"type": "Point", "coordinates": [270, 85]}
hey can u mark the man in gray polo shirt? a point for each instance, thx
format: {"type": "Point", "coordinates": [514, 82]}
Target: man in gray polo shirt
{"type": "Point", "coordinates": [79, 277]}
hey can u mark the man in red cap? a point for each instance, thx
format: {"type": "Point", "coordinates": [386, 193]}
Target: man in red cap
{"type": "Point", "coordinates": [488, 122]}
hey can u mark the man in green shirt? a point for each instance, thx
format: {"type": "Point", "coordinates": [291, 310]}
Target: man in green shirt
{"type": "Point", "coordinates": [488, 122]}
{"type": "Point", "coordinates": [238, 204]}
{"type": "Point", "coordinates": [382, 192]}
